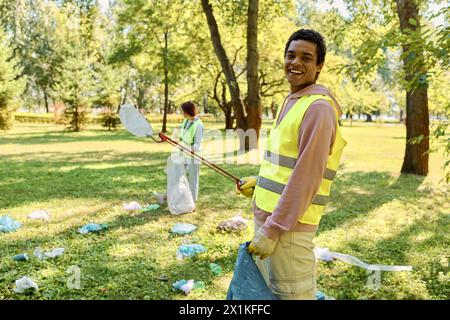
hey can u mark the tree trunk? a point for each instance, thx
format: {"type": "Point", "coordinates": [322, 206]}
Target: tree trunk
{"type": "Point", "coordinates": [417, 119]}
{"type": "Point", "coordinates": [46, 101]}
{"type": "Point", "coordinates": [229, 119]}
{"type": "Point", "coordinates": [77, 127]}
{"type": "Point", "coordinates": [205, 103]}
{"type": "Point", "coordinates": [124, 96]}
{"type": "Point", "coordinates": [273, 108]}
{"type": "Point", "coordinates": [166, 83]}
{"type": "Point", "coordinates": [253, 107]}
{"type": "Point", "coordinates": [236, 101]}
{"type": "Point", "coordinates": [369, 117]}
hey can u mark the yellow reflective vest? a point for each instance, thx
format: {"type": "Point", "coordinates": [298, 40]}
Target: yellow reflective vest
{"type": "Point", "coordinates": [280, 158]}
{"type": "Point", "coordinates": [188, 131]}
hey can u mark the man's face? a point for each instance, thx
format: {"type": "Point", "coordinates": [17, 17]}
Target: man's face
{"type": "Point", "coordinates": [300, 64]}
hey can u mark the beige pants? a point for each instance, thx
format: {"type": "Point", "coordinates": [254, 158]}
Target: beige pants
{"type": "Point", "coordinates": [290, 272]}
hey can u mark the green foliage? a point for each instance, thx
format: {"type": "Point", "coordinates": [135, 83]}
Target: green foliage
{"type": "Point", "coordinates": [76, 81]}
{"type": "Point", "coordinates": [11, 87]}
{"type": "Point", "coordinates": [108, 84]}
{"type": "Point", "coordinates": [143, 26]}
{"type": "Point", "coordinates": [75, 87]}
{"type": "Point", "coordinates": [110, 119]}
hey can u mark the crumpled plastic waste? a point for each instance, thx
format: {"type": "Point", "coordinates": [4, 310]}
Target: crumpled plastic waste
{"type": "Point", "coordinates": [8, 224]}
{"type": "Point", "coordinates": [150, 207]}
{"type": "Point", "coordinates": [324, 253]}
{"type": "Point", "coordinates": [187, 285]}
{"type": "Point", "coordinates": [183, 228]}
{"type": "Point", "coordinates": [20, 257]}
{"type": "Point", "coordinates": [133, 205]}
{"type": "Point", "coordinates": [49, 254]}
{"type": "Point", "coordinates": [163, 277]}
{"type": "Point", "coordinates": [92, 227]}
{"type": "Point", "coordinates": [189, 250]}
{"type": "Point", "coordinates": [215, 268]}
{"type": "Point", "coordinates": [321, 296]}
{"type": "Point", "coordinates": [160, 197]}
{"type": "Point", "coordinates": [235, 224]}
{"type": "Point", "coordinates": [39, 215]}
{"type": "Point", "coordinates": [24, 284]}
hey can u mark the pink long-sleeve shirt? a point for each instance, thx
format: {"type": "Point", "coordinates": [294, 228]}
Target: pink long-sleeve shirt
{"type": "Point", "coordinates": [316, 137]}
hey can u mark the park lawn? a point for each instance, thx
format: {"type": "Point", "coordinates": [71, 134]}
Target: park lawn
{"type": "Point", "coordinates": [375, 214]}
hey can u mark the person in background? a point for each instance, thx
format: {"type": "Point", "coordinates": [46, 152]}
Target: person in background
{"type": "Point", "coordinates": [191, 136]}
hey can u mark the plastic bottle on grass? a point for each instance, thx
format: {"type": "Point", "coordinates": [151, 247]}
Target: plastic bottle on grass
{"type": "Point", "coordinates": [215, 268]}
{"type": "Point", "coordinates": [20, 257]}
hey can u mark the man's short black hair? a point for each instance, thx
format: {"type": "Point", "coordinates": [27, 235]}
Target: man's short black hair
{"type": "Point", "coordinates": [312, 36]}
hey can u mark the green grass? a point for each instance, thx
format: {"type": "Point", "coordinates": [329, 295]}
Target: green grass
{"type": "Point", "coordinates": [375, 214]}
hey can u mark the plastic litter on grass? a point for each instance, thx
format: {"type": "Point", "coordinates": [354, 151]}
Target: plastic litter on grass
{"type": "Point", "coordinates": [23, 284]}
{"type": "Point", "coordinates": [183, 228]}
{"type": "Point", "coordinates": [8, 224]}
{"type": "Point", "coordinates": [20, 257]}
{"type": "Point", "coordinates": [92, 227]}
{"type": "Point", "coordinates": [235, 224]}
{"type": "Point", "coordinates": [215, 269]}
{"type": "Point", "coordinates": [189, 250]}
{"type": "Point", "coordinates": [326, 255]}
{"type": "Point", "coordinates": [150, 207]}
{"type": "Point", "coordinates": [49, 254]}
{"type": "Point", "coordinates": [133, 205]}
{"type": "Point", "coordinates": [187, 285]}
{"type": "Point", "coordinates": [321, 296]}
{"type": "Point", "coordinates": [39, 215]}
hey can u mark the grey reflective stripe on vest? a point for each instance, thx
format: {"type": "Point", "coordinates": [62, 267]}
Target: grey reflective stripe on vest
{"type": "Point", "coordinates": [270, 185]}
{"type": "Point", "coordinates": [279, 160]}
{"type": "Point", "coordinates": [288, 162]}
{"type": "Point", "coordinates": [320, 200]}
{"type": "Point", "coordinates": [329, 174]}
{"type": "Point", "coordinates": [277, 187]}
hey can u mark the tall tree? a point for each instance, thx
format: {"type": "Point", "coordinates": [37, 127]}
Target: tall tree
{"type": "Point", "coordinates": [76, 79]}
{"type": "Point", "coordinates": [11, 85]}
{"type": "Point", "coordinates": [253, 119]}
{"type": "Point", "coordinates": [417, 119]}
{"type": "Point", "coordinates": [227, 68]}
{"type": "Point", "coordinates": [153, 27]}
{"type": "Point", "coordinates": [31, 25]}
{"type": "Point", "coordinates": [253, 106]}
{"type": "Point", "coordinates": [383, 27]}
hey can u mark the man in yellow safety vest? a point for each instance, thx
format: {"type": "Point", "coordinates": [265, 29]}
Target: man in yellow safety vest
{"type": "Point", "coordinates": [301, 157]}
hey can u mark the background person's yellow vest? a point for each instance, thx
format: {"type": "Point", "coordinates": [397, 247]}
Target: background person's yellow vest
{"type": "Point", "coordinates": [281, 155]}
{"type": "Point", "coordinates": [188, 133]}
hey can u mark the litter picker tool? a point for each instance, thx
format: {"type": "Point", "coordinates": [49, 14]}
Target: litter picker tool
{"type": "Point", "coordinates": [136, 124]}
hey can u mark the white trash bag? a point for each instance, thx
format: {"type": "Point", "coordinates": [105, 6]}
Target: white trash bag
{"type": "Point", "coordinates": [179, 196]}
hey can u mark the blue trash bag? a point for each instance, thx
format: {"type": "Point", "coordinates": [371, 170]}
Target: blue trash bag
{"type": "Point", "coordinates": [248, 282]}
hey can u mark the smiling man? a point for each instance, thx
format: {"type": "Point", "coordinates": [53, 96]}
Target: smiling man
{"type": "Point", "coordinates": [301, 158]}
